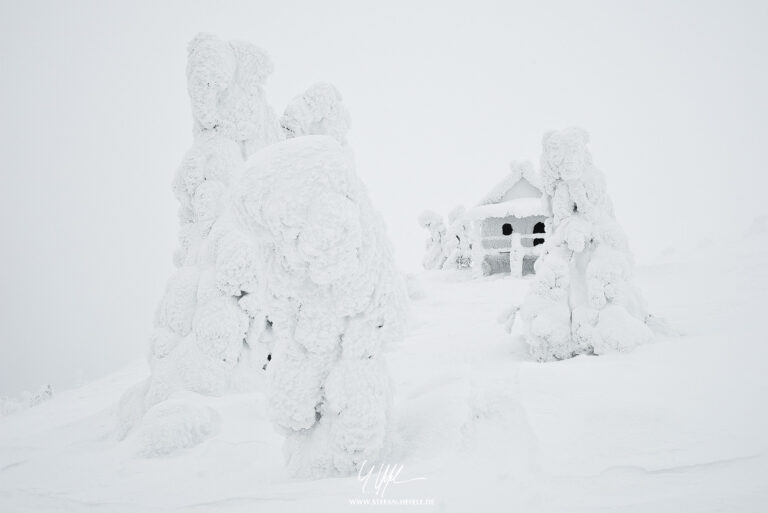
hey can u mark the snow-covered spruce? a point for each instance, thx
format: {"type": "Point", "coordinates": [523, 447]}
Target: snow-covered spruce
{"type": "Point", "coordinates": [436, 245]}
{"type": "Point", "coordinates": [319, 111]}
{"type": "Point", "coordinates": [457, 240]}
{"type": "Point", "coordinates": [281, 253]}
{"type": "Point", "coordinates": [202, 323]}
{"type": "Point", "coordinates": [582, 300]}
{"type": "Point", "coordinates": [224, 80]}
{"type": "Point", "coordinates": [332, 296]}
{"type": "Point", "coordinates": [9, 405]}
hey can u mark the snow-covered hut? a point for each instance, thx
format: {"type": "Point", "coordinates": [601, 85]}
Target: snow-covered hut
{"type": "Point", "coordinates": [509, 224]}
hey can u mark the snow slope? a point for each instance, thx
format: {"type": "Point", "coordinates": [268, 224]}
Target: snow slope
{"type": "Point", "coordinates": [678, 425]}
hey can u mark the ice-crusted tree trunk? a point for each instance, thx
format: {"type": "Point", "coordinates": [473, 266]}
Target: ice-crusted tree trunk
{"type": "Point", "coordinates": [208, 322]}
{"type": "Point", "coordinates": [582, 300]}
{"type": "Point", "coordinates": [435, 254]}
{"type": "Point", "coordinates": [333, 298]}
{"type": "Point", "coordinates": [459, 247]}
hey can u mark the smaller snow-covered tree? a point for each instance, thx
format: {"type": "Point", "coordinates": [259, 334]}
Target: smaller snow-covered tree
{"type": "Point", "coordinates": [26, 400]}
{"type": "Point", "coordinates": [582, 299]}
{"type": "Point", "coordinates": [457, 242]}
{"type": "Point", "coordinates": [435, 255]}
{"type": "Point", "coordinates": [333, 299]}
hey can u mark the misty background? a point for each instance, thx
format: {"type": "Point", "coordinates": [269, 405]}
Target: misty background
{"type": "Point", "coordinates": [443, 95]}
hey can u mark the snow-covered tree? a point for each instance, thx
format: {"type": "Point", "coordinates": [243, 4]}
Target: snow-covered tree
{"type": "Point", "coordinates": [319, 111]}
{"type": "Point", "coordinates": [457, 240]}
{"type": "Point", "coordinates": [9, 405]}
{"type": "Point", "coordinates": [582, 300]}
{"type": "Point", "coordinates": [436, 246]}
{"type": "Point", "coordinates": [283, 265]}
{"type": "Point", "coordinates": [333, 299]}
{"type": "Point", "coordinates": [206, 325]}
{"type": "Point", "coordinates": [224, 81]}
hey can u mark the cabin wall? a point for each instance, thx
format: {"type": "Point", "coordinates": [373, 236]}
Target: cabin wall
{"type": "Point", "coordinates": [493, 237]}
{"type": "Point", "coordinates": [490, 254]}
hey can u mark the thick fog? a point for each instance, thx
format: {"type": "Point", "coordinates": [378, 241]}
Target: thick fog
{"type": "Point", "coordinates": [443, 96]}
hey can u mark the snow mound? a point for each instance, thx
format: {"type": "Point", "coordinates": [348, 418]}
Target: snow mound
{"type": "Point", "coordinates": [174, 425]}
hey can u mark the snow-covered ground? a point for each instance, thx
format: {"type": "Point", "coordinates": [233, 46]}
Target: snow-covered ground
{"type": "Point", "coordinates": [678, 425]}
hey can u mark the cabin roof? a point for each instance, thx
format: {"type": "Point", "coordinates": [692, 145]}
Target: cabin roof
{"type": "Point", "coordinates": [519, 194]}
{"type": "Point", "coordinates": [520, 182]}
{"type": "Point", "coordinates": [520, 207]}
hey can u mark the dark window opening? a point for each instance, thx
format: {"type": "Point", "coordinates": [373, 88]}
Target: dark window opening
{"type": "Point", "coordinates": [506, 229]}
{"type": "Point", "coordinates": [538, 228]}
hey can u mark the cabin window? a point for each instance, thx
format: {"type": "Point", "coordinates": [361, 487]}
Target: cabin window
{"type": "Point", "coordinates": [538, 228]}
{"type": "Point", "coordinates": [506, 229]}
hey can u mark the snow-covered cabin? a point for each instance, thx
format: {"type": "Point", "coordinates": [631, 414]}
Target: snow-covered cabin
{"type": "Point", "coordinates": [509, 224]}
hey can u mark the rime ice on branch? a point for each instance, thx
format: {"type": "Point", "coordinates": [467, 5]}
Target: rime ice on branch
{"type": "Point", "coordinates": [582, 300]}
{"type": "Point", "coordinates": [334, 298]}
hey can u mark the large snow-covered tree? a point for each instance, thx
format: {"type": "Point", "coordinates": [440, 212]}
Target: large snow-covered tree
{"type": "Point", "coordinates": [279, 251]}
{"type": "Point", "coordinates": [198, 342]}
{"type": "Point", "coordinates": [582, 300]}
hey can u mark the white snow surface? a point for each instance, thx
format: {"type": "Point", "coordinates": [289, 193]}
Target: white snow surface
{"type": "Point", "coordinates": [676, 425]}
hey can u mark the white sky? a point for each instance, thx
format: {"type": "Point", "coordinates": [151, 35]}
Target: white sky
{"type": "Point", "coordinates": [96, 119]}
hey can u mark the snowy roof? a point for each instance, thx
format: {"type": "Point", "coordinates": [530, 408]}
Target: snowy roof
{"type": "Point", "coordinates": [521, 182]}
{"type": "Point", "coordinates": [519, 195]}
{"type": "Point", "coordinates": [520, 207]}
